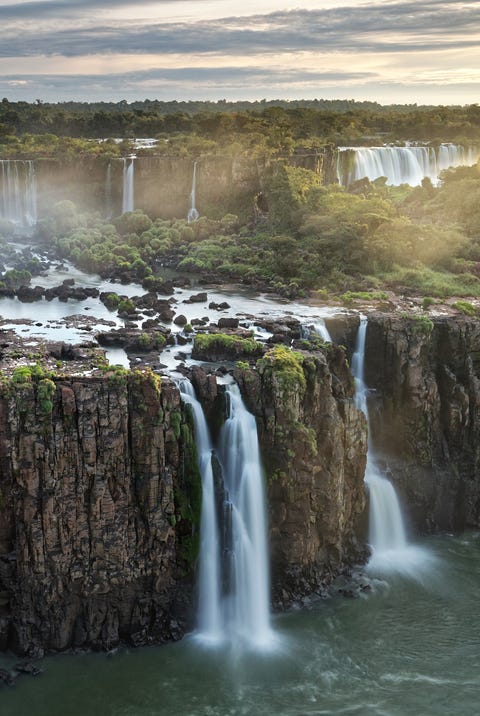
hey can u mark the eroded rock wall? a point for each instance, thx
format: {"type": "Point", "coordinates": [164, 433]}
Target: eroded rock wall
{"type": "Point", "coordinates": [313, 442]}
{"type": "Point", "coordinates": [96, 519]}
{"type": "Point", "coordinates": [425, 414]}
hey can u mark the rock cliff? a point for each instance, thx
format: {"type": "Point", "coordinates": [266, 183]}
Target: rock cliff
{"type": "Point", "coordinates": [425, 414]}
{"type": "Point", "coordinates": [97, 513]}
{"type": "Point", "coordinates": [313, 442]}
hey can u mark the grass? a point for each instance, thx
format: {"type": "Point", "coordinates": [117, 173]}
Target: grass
{"type": "Point", "coordinates": [438, 284]}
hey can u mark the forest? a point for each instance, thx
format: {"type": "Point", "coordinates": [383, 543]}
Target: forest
{"type": "Point", "coordinates": [201, 127]}
{"type": "Point", "coordinates": [304, 235]}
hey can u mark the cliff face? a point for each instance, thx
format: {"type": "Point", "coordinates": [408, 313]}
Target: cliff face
{"type": "Point", "coordinates": [96, 515]}
{"type": "Point", "coordinates": [425, 415]}
{"type": "Point", "coordinates": [100, 496]}
{"type": "Point", "coordinates": [313, 442]}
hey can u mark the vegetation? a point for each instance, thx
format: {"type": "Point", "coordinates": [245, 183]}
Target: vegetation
{"type": "Point", "coordinates": [287, 367]}
{"type": "Point", "coordinates": [29, 130]}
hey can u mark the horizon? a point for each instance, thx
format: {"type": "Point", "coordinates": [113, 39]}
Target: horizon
{"type": "Point", "coordinates": [390, 52]}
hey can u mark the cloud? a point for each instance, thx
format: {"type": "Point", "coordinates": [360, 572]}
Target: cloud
{"type": "Point", "coordinates": [390, 27]}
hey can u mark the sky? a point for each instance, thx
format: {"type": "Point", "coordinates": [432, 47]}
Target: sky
{"type": "Point", "coordinates": [392, 51]}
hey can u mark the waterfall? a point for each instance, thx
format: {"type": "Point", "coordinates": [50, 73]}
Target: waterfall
{"type": "Point", "coordinates": [192, 212]}
{"type": "Point", "coordinates": [247, 599]}
{"type": "Point", "coordinates": [402, 165]}
{"type": "Point", "coordinates": [108, 192]}
{"type": "Point", "coordinates": [18, 198]}
{"type": "Point", "coordinates": [390, 548]}
{"type": "Point", "coordinates": [233, 574]}
{"type": "Point", "coordinates": [320, 329]}
{"type": "Point", "coordinates": [209, 604]}
{"type": "Point", "coordinates": [128, 202]}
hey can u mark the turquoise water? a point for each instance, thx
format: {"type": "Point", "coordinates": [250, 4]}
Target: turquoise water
{"type": "Point", "coordinates": [407, 648]}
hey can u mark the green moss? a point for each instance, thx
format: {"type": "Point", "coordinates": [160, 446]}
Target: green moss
{"type": "Point", "coordinates": [175, 423]}
{"type": "Point", "coordinates": [421, 325]}
{"type": "Point", "coordinates": [465, 307]}
{"type": "Point", "coordinates": [286, 365]}
{"type": "Point", "coordinates": [45, 392]}
{"type": "Point", "coordinates": [225, 343]}
{"type": "Point", "coordinates": [117, 375]}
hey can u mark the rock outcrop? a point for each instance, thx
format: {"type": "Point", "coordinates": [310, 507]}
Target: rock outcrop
{"type": "Point", "coordinates": [313, 442]}
{"type": "Point", "coordinates": [99, 510]}
{"type": "Point", "coordinates": [425, 414]}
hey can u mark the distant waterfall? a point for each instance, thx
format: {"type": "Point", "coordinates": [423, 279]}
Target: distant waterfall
{"type": "Point", "coordinates": [401, 165]}
{"type": "Point", "coordinates": [247, 599]}
{"type": "Point", "coordinates": [128, 201]}
{"type": "Point", "coordinates": [108, 192]}
{"type": "Point", "coordinates": [192, 212]}
{"type": "Point", "coordinates": [210, 625]}
{"type": "Point", "coordinates": [233, 584]}
{"type": "Point", "coordinates": [18, 197]}
{"type": "Point", "coordinates": [318, 328]}
{"type": "Point", "coordinates": [386, 531]}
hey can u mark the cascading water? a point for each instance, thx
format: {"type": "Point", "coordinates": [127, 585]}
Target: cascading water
{"type": "Point", "coordinates": [247, 600]}
{"type": "Point", "coordinates": [210, 627]}
{"type": "Point", "coordinates": [318, 328]}
{"type": "Point", "coordinates": [18, 198]}
{"type": "Point", "coordinates": [233, 587]}
{"type": "Point", "coordinates": [401, 165]}
{"type": "Point", "coordinates": [128, 201]}
{"type": "Point", "coordinates": [192, 212]}
{"type": "Point", "coordinates": [108, 192]}
{"type": "Point", "coordinates": [387, 537]}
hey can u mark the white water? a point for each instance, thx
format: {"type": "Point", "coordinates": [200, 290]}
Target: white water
{"type": "Point", "coordinates": [192, 212]}
{"type": "Point", "coordinates": [391, 550]}
{"type": "Point", "coordinates": [210, 627]}
{"type": "Point", "coordinates": [402, 165]}
{"type": "Point", "coordinates": [18, 197]}
{"type": "Point", "coordinates": [247, 614]}
{"type": "Point", "coordinates": [108, 192]}
{"type": "Point", "coordinates": [233, 580]}
{"type": "Point", "coordinates": [128, 201]}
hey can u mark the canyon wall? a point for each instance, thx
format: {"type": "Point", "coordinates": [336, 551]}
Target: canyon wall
{"type": "Point", "coordinates": [162, 184]}
{"type": "Point", "coordinates": [97, 514]}
{"type": "Point", "coordinates": [313, 443]}
{"type": "Point", "coordinates": [425, 415]}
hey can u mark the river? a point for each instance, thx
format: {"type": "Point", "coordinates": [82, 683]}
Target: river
{"type": "Point", "coordinates": [406, 648]}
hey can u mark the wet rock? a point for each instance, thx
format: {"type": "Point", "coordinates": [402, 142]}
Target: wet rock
{"type": "Point", "coordinates": [28, 294]}
{"type": "Point", "coordinates": [228, 322]}
{"type": "Point", "coordinates": [197, 298]}
{"type": "Point", "coordinates": [180, 320]}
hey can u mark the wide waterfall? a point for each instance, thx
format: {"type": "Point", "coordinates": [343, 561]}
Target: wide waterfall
{"type": "Point", "coordinates": [128, 200]}
{"type": "Point", "coordinates": [391, 550]}
{"type": "Point", "coordinates": [18, 196]}
{"type": "Point", "coordinates": [192, 212]}
{"type": "Point", "coordinates": [233, 583]}
{"type": "Point", "coordinates": [402, 165]}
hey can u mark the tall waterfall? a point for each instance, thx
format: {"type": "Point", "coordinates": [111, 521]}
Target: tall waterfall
{"type": "Point", "coordinates": [390, 548]}
{"type": "Point", "coordinates": [402, 165]}
{"type": "Point", "coordinates": [128, 201]}
{"type": "Point", "coordinates": [233, 585]}
{"type": "Point", "coordinates": [108, 192]}
{"type": "Point", "coordinates": [192, 212]}
{"type": "Point", "coordinates": [247, 599]}
{"type": "Point", "coordinates": [210, 625]}
{"type": "Point", "coordinates": [18, 197]}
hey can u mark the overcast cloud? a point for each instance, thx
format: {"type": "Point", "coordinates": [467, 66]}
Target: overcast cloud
{"type": "Point", "coordinates": [415, 50]}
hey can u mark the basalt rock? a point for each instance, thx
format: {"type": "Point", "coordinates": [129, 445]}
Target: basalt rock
{"type": "Point", "coordinates": [313, 442]}
{"type": "Point", "coordinates": [425, 414]}
{"type": "Point", "coordinates": [99, 509]}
